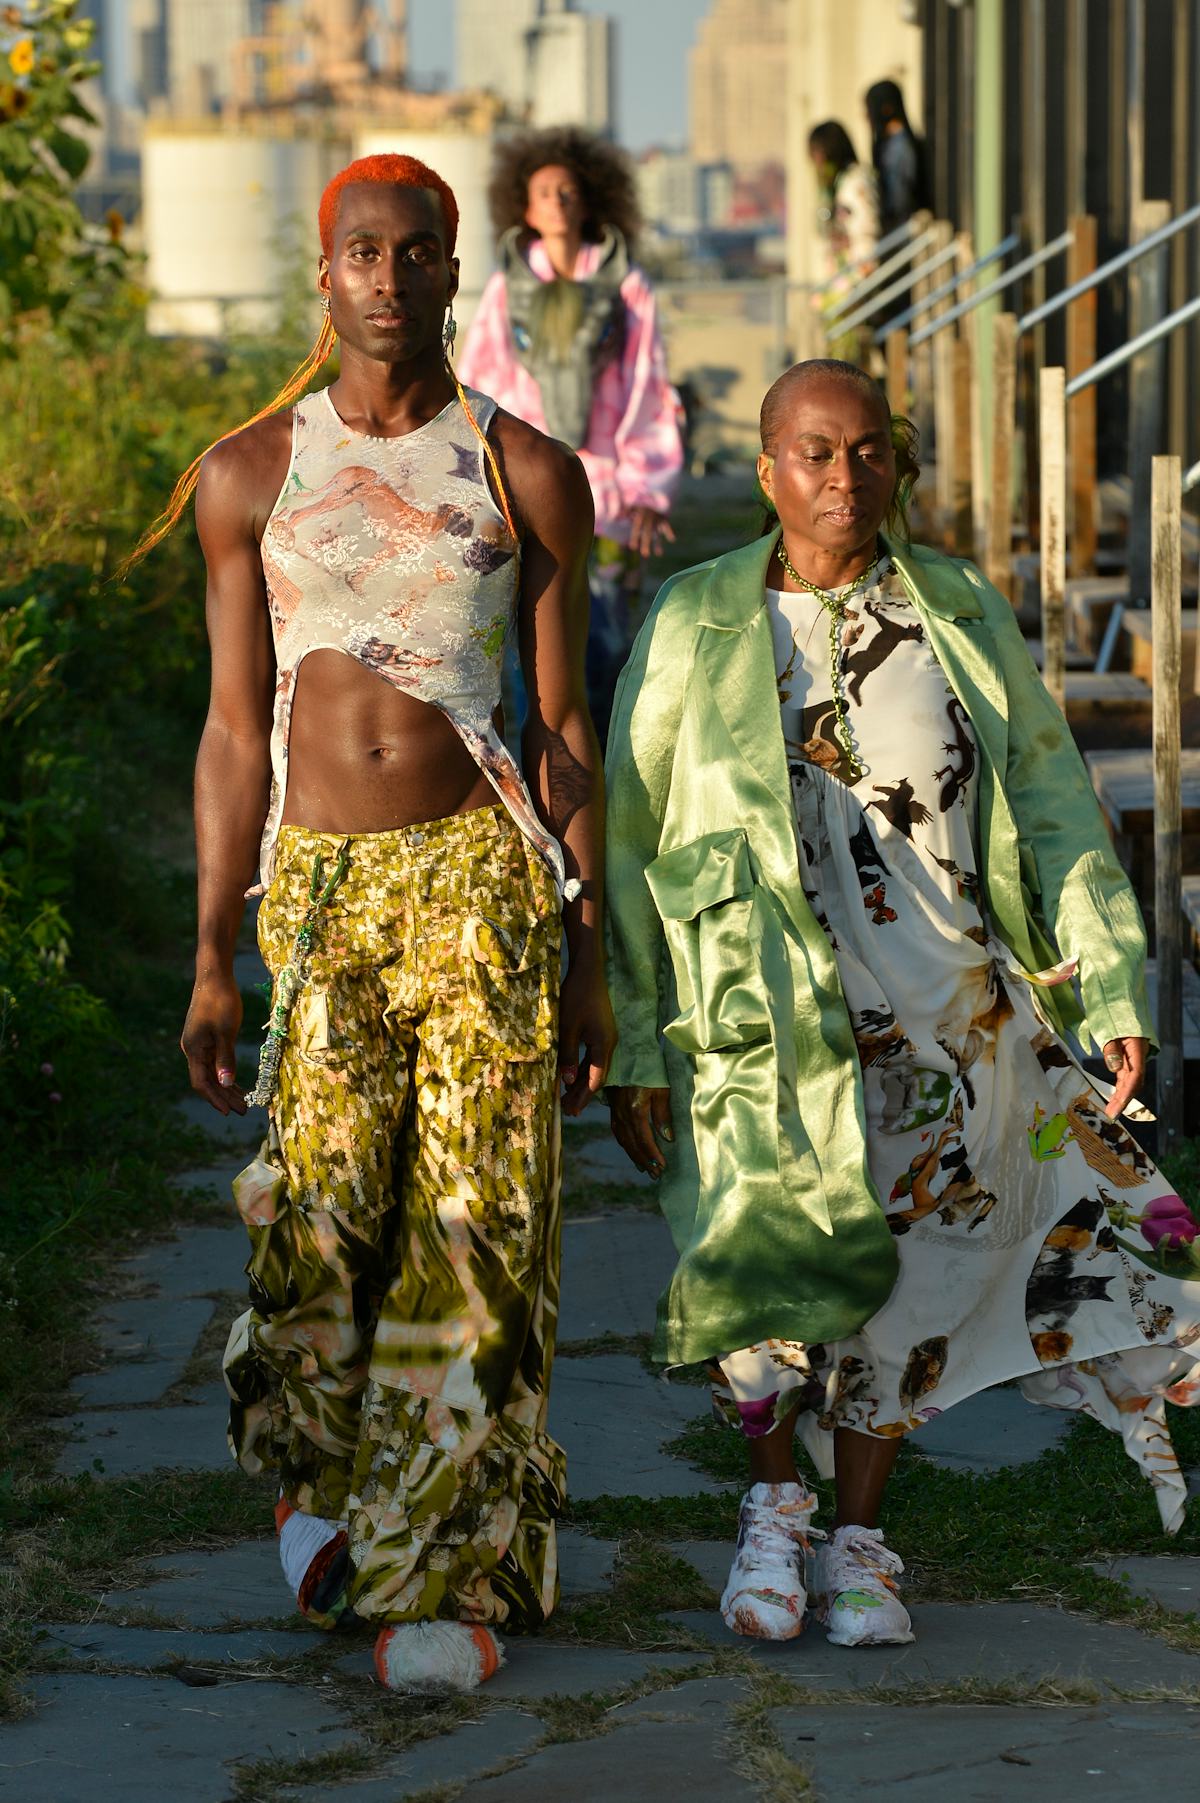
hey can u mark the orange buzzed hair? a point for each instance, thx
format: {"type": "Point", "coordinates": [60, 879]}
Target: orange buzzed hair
{"type": "Point", "coordinates": [390, 171]}
{"type": "Point", "coordinates": [394, 171]}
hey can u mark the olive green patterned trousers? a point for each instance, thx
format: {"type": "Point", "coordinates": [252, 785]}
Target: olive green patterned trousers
{"type": "Point", "coordinates": [404, 1221]}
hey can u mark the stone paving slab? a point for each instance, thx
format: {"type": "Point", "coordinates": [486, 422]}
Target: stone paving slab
{"type": "Point", "coordinates": [613, 1418]}
{"type": "Point", "coordinates": [644, 1762]}
{"type": "Point", "coordinates": [991, 1430]}
{"type": "Point", "coordinates": [207, 1589]}
{"type": "Point", "coordinates": [604, 1161]}
{"type": "Point", "coordinates": [185, 1437]}
{"type": "Point", "coordinates": [584, 1565]}
{"type": "Point", "coordinates": [144, 1740]}
{"type": "Point", "coordinates": [449, 1759]}
{"type": "Point", "coordinates": [711, 1558]}
{"type": "Point", "coordinates": [969, 1754]}
{"type": "Point", "coordinates": [693, 1699]}
{"type": "Point", "coordinates": [200, 1262]}
{"type": "Point", "coordinates": [149, 1343]}
{"type": "Point", "coordinates": [1175, 1583]}
{"type": "Point", "coordinates": [956, 1641]}
{"type": "Point", "coordinates": [216, 1178]}
{"type": "Point", "coordinates": [145, 1648]}
{"type": "Point", "coordinates": [226, 1130]}
{"type": "Point", "coordinates": [547, 1668]}
{"type": "Point", "coordinates": [614, 1269]}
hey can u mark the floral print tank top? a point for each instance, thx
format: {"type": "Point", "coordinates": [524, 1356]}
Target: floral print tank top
{"type": "Point", "coordinates": [392, 551]}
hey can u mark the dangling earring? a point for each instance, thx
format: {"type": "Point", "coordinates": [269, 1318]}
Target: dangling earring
{"type": "Point", "coordinates": [325, 305]}
{"type": "Point", "coordinates": [449, 332]}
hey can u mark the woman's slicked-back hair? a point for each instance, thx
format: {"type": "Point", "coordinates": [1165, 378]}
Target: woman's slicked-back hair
{"type": "Point", "coordinates": [832, 142]}
{"type": "Point", "coordinates": [604, 174]}
{"type": "Point", "coordinates": [777, 403]}
{"type": "Point", "coordinates": [389, 171]}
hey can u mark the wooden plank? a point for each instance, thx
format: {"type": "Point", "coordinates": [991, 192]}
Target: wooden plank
{"type": "Point", "coordinates": [1081, 420]}
{"type": "Point", "coordinates": [896, 355]}
{"type": "Point", "coordinates": [943, 395]}
{"type": "Point", "coordinates": [1004, 428]}
{"type": "Point", "coordinates": [1124, 785]}
{"type": "Point", "coordinates": [1166, 581]}
{"type": "Point", "coordinates": [1104, 689]}
{"type": "Point", "coordinates": [1136, 627]}
{"type": "Point", "coordinates": [1191, 1007]}
{"type": "Point", "coordinates": [964, 513]}
{"type": "Point", "coordinates": [1053, 458]}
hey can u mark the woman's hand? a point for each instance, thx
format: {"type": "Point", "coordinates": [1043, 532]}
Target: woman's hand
{"type": "Point", "coordinates": [648, 531]}
{"type": "Point", "coordinates": [585, 1018]}
{"type": "Point", "coordinates": [1126, 1062]}
{"type": "Point", "coordinates": [638, 1115]}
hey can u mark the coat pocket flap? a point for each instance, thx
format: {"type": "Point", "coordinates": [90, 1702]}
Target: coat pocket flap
{"type": "Point", "coordinates": [701, 874]}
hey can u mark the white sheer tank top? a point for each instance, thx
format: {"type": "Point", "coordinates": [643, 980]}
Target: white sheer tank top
{"type": "Point", "coordinates": [392, 551]}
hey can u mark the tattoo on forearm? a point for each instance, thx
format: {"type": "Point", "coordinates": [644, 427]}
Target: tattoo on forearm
{"type": "Point", "coordinates": [568, 782]}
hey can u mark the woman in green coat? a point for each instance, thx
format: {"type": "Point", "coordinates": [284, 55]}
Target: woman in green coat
{"type": "Point", "coordinates": [860, 894]}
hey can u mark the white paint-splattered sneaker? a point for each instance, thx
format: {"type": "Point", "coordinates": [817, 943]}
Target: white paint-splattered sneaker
{"type": "Point", "coordinates": [765, 1596]}
{"type": "Point", "coordinates": [855, 1592]}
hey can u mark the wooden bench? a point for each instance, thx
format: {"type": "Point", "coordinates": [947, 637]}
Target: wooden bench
{"type": "Point", "coordinates": [1135, 626]}
{"type": "Point", "coordinates": [1124, 785]}
{"type": "Point", "coordinates": [1191, 1006]}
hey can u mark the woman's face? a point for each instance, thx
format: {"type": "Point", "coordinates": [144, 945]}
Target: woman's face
{"type": "Point", "coordinates": [833, 470]}
{"type": "Point", "coordinates": [554, 206]}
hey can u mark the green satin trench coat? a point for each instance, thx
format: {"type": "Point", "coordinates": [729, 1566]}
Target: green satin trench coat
{"type": "Point", "coordinates": [726, 988]}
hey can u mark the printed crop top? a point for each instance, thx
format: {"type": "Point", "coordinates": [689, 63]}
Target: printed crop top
{"type": "Point", "coordinates": [393, 551]}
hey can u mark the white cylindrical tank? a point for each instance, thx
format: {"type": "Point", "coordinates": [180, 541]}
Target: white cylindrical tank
{"type": "Point", "coordinates": [225, 214]}
{"type": "Point", "coordinates": [464, 160]}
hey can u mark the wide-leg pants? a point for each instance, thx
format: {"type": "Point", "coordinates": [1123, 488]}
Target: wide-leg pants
{"type": "Point", "coordinates": [404, 1220]}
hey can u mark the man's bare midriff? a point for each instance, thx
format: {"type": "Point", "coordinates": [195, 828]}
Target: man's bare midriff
{"type": "Point", "coordinates": [363, 757]}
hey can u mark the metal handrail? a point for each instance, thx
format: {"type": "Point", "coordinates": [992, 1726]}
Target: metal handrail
{"type": "Point", "coordinates": [956, 280]}
{"type": "Point", "coordinates": [1115, 359]}
{"type": "Point", "coordinates": [945, 255]}
{"type": "Point", "coordinates": [1120, 261]}
{"type": "Point", "coordinates": [868, 267]}
{"type": "Point", "coordinates": [1033, 261]}
{"type": "Point", "coordinates": [1191, 477]}
{"type": "Point", "coordinates": [884, 271]}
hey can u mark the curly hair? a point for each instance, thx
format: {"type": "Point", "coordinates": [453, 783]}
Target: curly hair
{"type": "Point", "coordinates": [604, 174]}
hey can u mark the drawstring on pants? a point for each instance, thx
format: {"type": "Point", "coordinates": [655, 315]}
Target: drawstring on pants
{"type": "Point", "coordinates": [291, 978]}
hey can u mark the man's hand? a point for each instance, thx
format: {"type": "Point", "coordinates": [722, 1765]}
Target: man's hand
{"type": "Point", "coordinates": [638, 1115]}
{"type": "Point", "coordinates": [209, 1040]}
{"type": "Point", "coordinates": [648, 531]}
{"type": "Point", "coordinates": [1126, 1062]}
{"type": "Point", "coordinates": [585, 1018]}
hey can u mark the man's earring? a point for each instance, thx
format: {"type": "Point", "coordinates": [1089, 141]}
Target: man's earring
{"type": "Point", "coordinates": [449, 332]}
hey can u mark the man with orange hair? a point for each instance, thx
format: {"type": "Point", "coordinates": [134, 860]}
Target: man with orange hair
{"type": "Point", "coordinates": [370, 549]}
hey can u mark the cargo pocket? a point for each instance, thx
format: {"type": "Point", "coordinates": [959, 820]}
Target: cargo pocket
{"type": "Point", "coordinates": [511, 971]}
{"type": "Point", "coordinates": [712, 917]}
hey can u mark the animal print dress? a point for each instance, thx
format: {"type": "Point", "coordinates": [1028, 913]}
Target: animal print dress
{"type": "Point", "coordinates": [1036, 1239]}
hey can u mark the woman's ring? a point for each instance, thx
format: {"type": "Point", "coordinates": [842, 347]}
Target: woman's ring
{"type": "Point", "coordinates": [1114, 1060]}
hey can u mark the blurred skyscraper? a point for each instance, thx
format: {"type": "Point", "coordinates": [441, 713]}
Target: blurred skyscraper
{"type": "Point", "coordinates": [738, 84]}
{"type": "Point", "coordinates": [549, 64]}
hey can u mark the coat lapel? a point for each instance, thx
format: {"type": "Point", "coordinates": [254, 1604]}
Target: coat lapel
{"type": "Point", "coordinates": [739, 661]}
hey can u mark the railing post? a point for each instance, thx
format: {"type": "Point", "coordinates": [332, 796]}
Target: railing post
{"type": "Point", "coordinates": [1004, 427]}
{"type": "Point", "coordinates": [1081, 354]}
{"type": "Point", "coordinates": [1053, 449]}
{"type": "Point", "coordinates": [1147, 389]}
{"type": "Point", "coordinates": [922, 363]}
{"type": "Point", "coordinates": [896, 355]}
{"type": "Point", "coordinates": [943, 403]}
{"type": "Point", "coordinates": [1166, 599]}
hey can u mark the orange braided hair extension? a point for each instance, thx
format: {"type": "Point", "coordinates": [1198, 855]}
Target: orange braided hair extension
{"type": "Point", "coordinates": [185, 488]}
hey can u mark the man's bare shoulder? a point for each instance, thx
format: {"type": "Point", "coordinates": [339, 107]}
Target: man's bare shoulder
{"type": "Point", "coordinates": [537, 463]}
{"type": "Point", "coordinates": [246, 470]}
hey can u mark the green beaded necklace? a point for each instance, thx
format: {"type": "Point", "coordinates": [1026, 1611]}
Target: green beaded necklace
{"type": "Point", "coordinates": [835, 607]}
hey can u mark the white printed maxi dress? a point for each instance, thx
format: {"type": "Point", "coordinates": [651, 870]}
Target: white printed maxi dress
{"type": "Point", "coordinates": [1036, 1239]}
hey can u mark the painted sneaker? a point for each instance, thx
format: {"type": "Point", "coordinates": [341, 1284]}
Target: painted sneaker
{"type": "Point", "coordinates": [765, 1596]}
{"type": "Point", "coordinates": [856, 1594]}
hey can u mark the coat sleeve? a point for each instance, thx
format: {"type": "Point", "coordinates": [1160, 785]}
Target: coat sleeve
{"type": "Point", "coordinates": [1083, 896]}
{"type": "Point", "coordinates": [641, 746]}
{"type": "Point", "coordinates": [649, 450]}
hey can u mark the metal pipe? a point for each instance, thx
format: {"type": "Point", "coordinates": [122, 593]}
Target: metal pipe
{"type": "Point", "coordinates": [894, 239]}
{"type": "Point", "coordinates": [1115, 359]}
{"type": "Point", "coordinates": [1120, 261]}
{"type": "Point", "coordinates": [1191, 479]}
{"type": "Point", "coordinates": [939, 294]}
{"type": "Point", "coordinates": [883, 271]}
{"type": "Point", "coordinates": [889, 293]}
{"type": "Point", "coordinates": [1055, 247]}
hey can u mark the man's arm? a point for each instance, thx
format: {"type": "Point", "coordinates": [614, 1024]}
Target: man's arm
{"type": "Point", "coordinates": [233, 766]}
{"type": "Point", "coordinates": [553, 502]}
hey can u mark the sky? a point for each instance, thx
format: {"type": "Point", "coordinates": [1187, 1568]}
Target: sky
{"type": "Point", "coordinates": [651, 54]}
